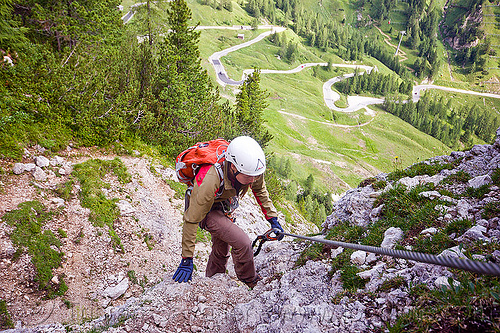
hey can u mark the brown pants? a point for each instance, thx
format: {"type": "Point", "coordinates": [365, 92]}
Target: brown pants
{"type": "Point", "coordinates": [226, 234]}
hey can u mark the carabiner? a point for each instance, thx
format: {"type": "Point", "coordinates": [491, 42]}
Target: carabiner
{"type": "Point", "coordinates": [264, 238]}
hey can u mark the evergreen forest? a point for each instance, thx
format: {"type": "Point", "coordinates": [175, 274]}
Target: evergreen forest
{"type": "Point", "coordinates": [81, 76]}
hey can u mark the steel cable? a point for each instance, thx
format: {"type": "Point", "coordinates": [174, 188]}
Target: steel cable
{"type": "Point", "coordinates": [475, 266]}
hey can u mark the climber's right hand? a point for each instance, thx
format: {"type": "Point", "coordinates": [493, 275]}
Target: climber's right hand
{"type": "Point", "coordinates": [185, 271]}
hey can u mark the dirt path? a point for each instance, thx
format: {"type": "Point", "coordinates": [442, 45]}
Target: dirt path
{"type": "Point", "coordinates": [387, 39]}
{"type": "Point", "coordinates": [371, 112]}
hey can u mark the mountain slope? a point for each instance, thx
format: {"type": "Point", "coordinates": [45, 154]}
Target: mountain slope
{"type": "Point", "coordinates": [101, 265]}
{"type": "Point", "coordinates": [317, 288]}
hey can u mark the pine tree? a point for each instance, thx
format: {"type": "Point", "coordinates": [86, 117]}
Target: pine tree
{"type": "Point", "coordinates": [250, 105]}
{"type": "Point", "coordinates": [148, 21]}
{"type": "Point", "coordinates": [188, 108]}
{"type": "Point", "coordinates": [11, 36]}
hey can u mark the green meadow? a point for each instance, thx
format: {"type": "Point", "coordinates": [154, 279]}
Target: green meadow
{"type": "Point", "coordinates": [339, 149]}
{"type": "Point", "coordinates": [329, 145]}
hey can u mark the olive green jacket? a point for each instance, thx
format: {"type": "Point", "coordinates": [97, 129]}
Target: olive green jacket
{"type": "Point", "coordinates": [203, 196]}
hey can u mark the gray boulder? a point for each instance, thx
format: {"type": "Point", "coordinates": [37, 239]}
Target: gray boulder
{"type": "Point", "coordinates": [479, 181]}
{"type": "Point", "coordinates": [18, 168]}
{"type": "Point", "coordinates": [118, 290]}
{"type": "Point", "coordinates": [42, 161]}
{"type": "Point", "coordinates": [29, 167]}
{"type": "Point", "coordinates": [391, 237]}
{"type": "Point", "coordinates": [354, 207]}
{"type": "Point", "coordinates": [39, 174]}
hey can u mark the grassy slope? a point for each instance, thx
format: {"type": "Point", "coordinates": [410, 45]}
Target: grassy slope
{"type": "Point", "coordinates": [349, 155]}
{"type": "Point", "coordinates": [345, 155]}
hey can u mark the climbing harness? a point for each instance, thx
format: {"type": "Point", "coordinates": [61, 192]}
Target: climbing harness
{"type": "Point", "coordinates": [475, 266]}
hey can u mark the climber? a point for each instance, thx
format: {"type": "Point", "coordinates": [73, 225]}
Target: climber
{"type": "Point", "coordinates": [243, 168]}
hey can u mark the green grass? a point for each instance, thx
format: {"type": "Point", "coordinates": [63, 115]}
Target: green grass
{"type": "Point", "coordinates": [178, 187]}
{"type": "Point", "coordinates": [348, 272]}
{"type": "Point", "coordinates": [459, 177]}
{"type": "Point", "coordinates": [491, 210]}
{"type": "Point", "coordinates": [220, 39]}
{"type": "Point", "coordinates": [354, 153]}
{"type": "Point", "coordinates": [103, 210]}
{"type": "Point", "coordinates": [5, 318]}
{"type": "Point", "coordinates": [388, 285]}
{"type": "Point", "coordinates": [419, 169]}
{"type": "Point", "coordinates": [315, 251]}
{"type": "Point", "coordinates": [29, 236]}
{"type": "Point", "coordinates": [472, 306]}
{"type": "Point", "coordinates": [203, 236]}
{"type": "Point", "coordinates": [206, 15]}
{"type": "Point", "coordinates": [63, 190]}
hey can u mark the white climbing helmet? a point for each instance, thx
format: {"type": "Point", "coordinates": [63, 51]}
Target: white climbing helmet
{"type": "Point", "coordinates": [247, 156]}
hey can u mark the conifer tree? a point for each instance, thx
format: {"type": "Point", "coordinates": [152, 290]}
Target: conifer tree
{"type": "Point", "coordinates": [11, 36]}
{"type": "Point", "coordinates": [250, 105]}
{"type": "Point", "coordinates": [188, 108]}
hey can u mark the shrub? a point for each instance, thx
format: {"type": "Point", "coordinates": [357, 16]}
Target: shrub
{"type": "Point", "coordinates": [28, 221]}
{"type": "Point", "coordinates": [419, 169]}
{"type": "Point", "coordinates": [459, 177]}
{"type": "Point", "coordinates": [5, 319]}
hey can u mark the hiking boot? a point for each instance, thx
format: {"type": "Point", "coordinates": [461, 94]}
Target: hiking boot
{"type": "Point", "coordinates": [253, 283]}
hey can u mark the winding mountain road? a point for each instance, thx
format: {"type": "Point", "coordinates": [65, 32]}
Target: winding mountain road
{"type": "Point", "coordinates": [222, 77]}
{"type": "Point", "coordinates": [330, 96]}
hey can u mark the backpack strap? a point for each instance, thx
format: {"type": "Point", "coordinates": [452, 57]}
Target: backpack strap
{"type": "Point", "coordinates": [219, 167]}
{"type": "Point", "coordinates": [202, 171]}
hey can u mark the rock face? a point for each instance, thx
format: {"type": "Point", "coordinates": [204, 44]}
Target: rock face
{"type": "Point", "coordinates": [354, 207]}
{"type": "Point", "coordinates": [311, 297]}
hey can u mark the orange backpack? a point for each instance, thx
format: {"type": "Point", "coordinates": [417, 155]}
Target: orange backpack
{"type": "Point", "coordinates": [188, 163]}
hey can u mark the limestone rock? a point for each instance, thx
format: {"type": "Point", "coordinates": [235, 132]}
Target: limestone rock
{"type": "Point", "coordinates": [118, 290]}
{"type": "Point", "coordinates": [58, 202]}
{"type": "Point", "coordinates": [391, 237]}
{"type": "Point", "coordinates": [454, 252]}
{"type": "Point", "coordinates": [354, 207]}
{"type": "Point", "coordinates": [411, 182]}
{"type": "Point", "coordinates": [56, 160]}
{"type": "Point", "coordinates": [126, 209]}
{"type": "Point", "coordinates": [430, 194]}
{"type": "Point", "coordinates": [479, 181]}
{"type": "Point", "coordinates": [66, 169]}
{"type": "Point", "coordinates": [18, 168]}
{"type": "Point", "coordinates": [475, 233]}
{"type": "Point", "coordinates": [29, 167]}
{"type": "Point", "coordinates": [375, 271]}
{"type": "Point", "coordinates": [42, 161]}
{"type": "Point", "coordinates": [429, 231]}
{"type": "Point", "coordinates": [358, 257]}
{"type": "Point", "coordinates": [444, 281]}
{"type": "Point", "coordinates": [39, 174]}
{"type": "Point", "coordinates": [463, 208]}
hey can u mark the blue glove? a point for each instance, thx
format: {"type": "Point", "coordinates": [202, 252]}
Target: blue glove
{"type": "Point", "coordinates": [276, 225]}
{"type": "Point", "coordinates": [184, 271]}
